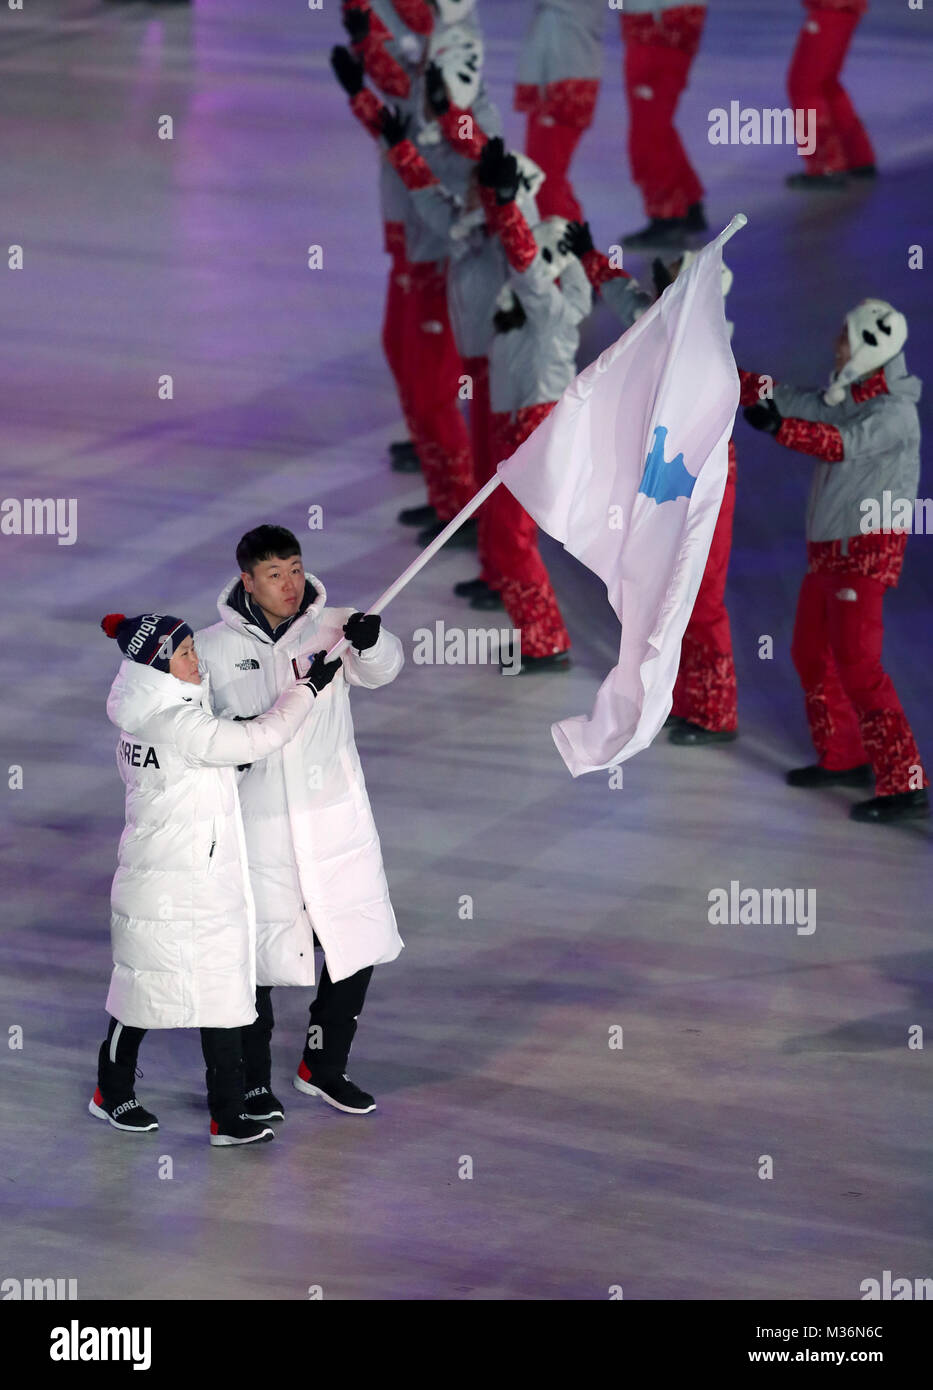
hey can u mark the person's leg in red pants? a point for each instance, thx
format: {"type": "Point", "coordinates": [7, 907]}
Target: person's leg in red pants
{"type": "Point", "coordinates": [484, 462]}
{"type": "Point", "coordinates": [841, 141]}
{"type": "Point", "coordinates": [658, 56]}
{"type": "Point", "coordinates": [551, 144]}
{"type": "Point", "coordinates": [440, 431]}
{"type": "Point", "coordinates": [854, 712]}
{"type": "Point", "coordinates": [512, 540]}
{"type": "Point", "coordinates": [705, 690]}
{"type": "Point", "coordinates": [394, 323]}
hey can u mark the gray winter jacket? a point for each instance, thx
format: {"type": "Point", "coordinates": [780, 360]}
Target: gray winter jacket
{"type": "Point", "coordinates": [881, 447]}
{"type": "Point", "coordinates": [565, 40]}
{"type": "Point", "coordinates": [535, 363]}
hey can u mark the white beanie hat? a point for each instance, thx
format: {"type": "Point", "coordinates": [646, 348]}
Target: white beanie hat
{"type": "Point", "coordinates": [877, 332]}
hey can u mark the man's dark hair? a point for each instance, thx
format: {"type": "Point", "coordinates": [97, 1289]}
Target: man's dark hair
{"type": "Point", "coordinates": [266, 543]}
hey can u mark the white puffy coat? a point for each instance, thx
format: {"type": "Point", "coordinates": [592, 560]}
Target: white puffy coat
{"type": "Point", "coordinates": [314, 857]}
{"type": "Point", "coordinates": [183, 924]}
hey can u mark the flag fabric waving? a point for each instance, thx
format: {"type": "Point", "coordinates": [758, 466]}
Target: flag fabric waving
{"type": "Point", "coordinates": [628, 472]}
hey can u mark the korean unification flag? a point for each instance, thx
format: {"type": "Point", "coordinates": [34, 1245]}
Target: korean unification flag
{"type": "Point", "coordinates": [628, 473]}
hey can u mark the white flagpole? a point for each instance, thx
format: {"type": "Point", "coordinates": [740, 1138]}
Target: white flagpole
{"type": "Point", "coordinates": [384, 599]}
{"type": "Point", "coordinates": [429, 551]}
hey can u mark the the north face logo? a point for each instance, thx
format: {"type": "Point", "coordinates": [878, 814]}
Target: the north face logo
{"type": "Point", "coordinates": [250, 664]}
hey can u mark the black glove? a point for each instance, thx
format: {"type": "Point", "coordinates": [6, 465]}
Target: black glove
{"type": "Point", "coordinates": [362, 630]}
{"type": "Point", "coordinates": [577, 239]}
{"type": "Point", "coordinates": [499, 170]}
{"type": "Point", "coordinates": [436, 89]}
{"type": "Point", "coordinates": [661, 276]}
{"type": "Point", "coordinates": [349, 70]}
{"type": "Point", "coordinates": [320, 673]}
{"type": "Point", "coordinates": [764, 416]}
{"type": "Point", "coordinates": [356, 23]}
{"type": "Point", "coordinates": [393, 125]}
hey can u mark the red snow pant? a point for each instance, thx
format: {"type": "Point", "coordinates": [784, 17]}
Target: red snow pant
{"type": "Point", "coordinates": [433, 374]}
{"type": "Point", "coordinates": [659, 50]}
{"type": "Point", "coordinates": [551, 144]}
{"type": "Point", "coordinates": [395, 318]}
{"type": "Point", "coordinates": [510, 541]}
{"type": "Point", "coordinates": [705, 689]}
{"type": "Point", "coordinates": [484, 462]}
{"type": "Point", "coordinates": [558, 114]}
{"type": "Point", "coordinates": [813, 84]}
{"type": "Point", "coordinates": [852, 707]}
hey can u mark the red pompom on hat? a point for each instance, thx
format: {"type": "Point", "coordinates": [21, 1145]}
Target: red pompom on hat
{"type": "Point", "coordinates": [111, 622]}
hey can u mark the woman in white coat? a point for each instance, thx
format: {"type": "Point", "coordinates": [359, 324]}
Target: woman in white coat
{"type": "Point", "coordinates": [183, 923]}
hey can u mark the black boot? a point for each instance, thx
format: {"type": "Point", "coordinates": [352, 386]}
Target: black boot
{"type": "Point", "coordinates": [688, 735]}
{"type": "Point", "coordinates": [817, 183]}
{"type": "Point", "coordinates": [816, 776]}
{"type": "Point", "coordinates": [418, 516]}
{"type": "Point", "coordinates": [403, 457]}
{"type": "Point", "coordinates": [695, 221]}
{"type": "Point", "coordinates": [466, 588]}
{"type": "Point", "coordinates": [259, 1101]}
{"type": "Point", "coordinates": [462, 539]}
{"type": "Point", "coordinates": [554, 661]}
{"type": "Point", "coordinates": [225, 1077]}
{"type": "Point", "coordinates": [486, 600]}
{"type": "Point", "coordinates": [885, 810]}
{"type": "Point", "coordinates": [322, 1070]}
{"type": "Point", "coordinates": [115, 1098]}
{"type": "Point", "coordinates": [661, 234]}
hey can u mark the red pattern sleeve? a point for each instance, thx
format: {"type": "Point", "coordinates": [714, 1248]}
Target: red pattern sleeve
{"type": "Point", "coordinates": [417, 14]}
{"type": "Point", "coordinates": [812, 437]}
{"type": "Point", "coordinates": [487, 197]}
{"type": "Point", "coordinates": [450, 124]}
{"type": "Point", "coordinates": [515, 233]}
{"type": "Point", "coordinates": [872, 386]}
{"type": "Point", "coordinates": [750, 385]}
{"type": "Point", "coordinates": [367, 108]}
{"type": "Point", "coordinates": [387, 73]}
{"type": "Point", "coordinates": [598, 270]}
{"type": "Point", "coordinates": [410, 166]}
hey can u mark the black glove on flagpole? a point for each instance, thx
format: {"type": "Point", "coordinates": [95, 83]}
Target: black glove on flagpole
{"type": "Point", "coordinates": [362, 630]}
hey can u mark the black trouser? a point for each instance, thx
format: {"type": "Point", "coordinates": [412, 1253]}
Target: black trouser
{"type": "Point", "coordinates": [223, 1053]}
{"type": "Point", "coordinates": [331, 1026]}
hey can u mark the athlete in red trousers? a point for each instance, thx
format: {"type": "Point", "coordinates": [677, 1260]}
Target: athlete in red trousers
{"type": "Point", "coordinates": [389, 46]}
{"type": "Point", "coordinates": [433, 366]}
{"type": "Point", "coordinates": [661, 41]}
{"type": "Point", "coordinates": [843, 150]}
{"type": "Point", "coordinates": [865, 432]}
{"type": "Point", "coordinates": [559, 69]}
{"type": "Point", "coordinates": [704, 708]}
{"type": "Point", "coordinates": [531, 362]}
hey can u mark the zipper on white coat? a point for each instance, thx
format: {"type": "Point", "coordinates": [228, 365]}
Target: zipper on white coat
{"type": "Point", "coordinates": [210, 857]}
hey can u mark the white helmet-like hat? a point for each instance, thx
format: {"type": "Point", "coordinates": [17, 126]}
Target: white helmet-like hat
{"type": "Point", "coordinates": [877, 332]}
{"type": "Point", "coordinates": [451, 11]}
{"type": "Point", "coordinates": [549, 234]}
{"type": "Point", "coordinates": [458, 52]}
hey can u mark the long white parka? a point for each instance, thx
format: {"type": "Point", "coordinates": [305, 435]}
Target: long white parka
{"type": "Point", "coordinates": [314, 857]}
{"type": "Point", "coordinates": [183, 924]}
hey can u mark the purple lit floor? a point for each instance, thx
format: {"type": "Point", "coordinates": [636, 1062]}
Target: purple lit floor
{"type": "Point", "coordinates": [489, 1037]}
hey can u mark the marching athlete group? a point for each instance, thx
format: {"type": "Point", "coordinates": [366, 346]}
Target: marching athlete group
{"type": "Point", "coordinates": [249, 839]}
